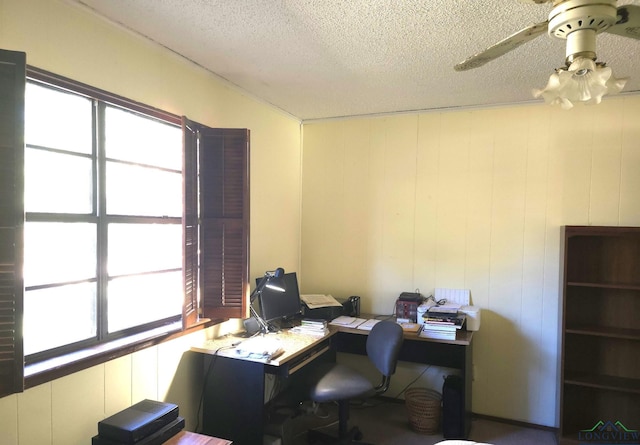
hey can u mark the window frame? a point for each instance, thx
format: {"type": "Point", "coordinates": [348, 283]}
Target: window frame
{"type": "Point", "coordinates": [101, 219]}
{"type": "Point", "coordinates": [208, 299]}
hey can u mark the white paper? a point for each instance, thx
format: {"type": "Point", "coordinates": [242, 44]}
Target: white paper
{"type": "Point", "coordinates": [347, 322]}
{"type": "Point", "coordinates": [459, 297]}
{"type": "Point", "coordinates": [368, 325]}
{"type": "Point", "coordinates": [314, 301]}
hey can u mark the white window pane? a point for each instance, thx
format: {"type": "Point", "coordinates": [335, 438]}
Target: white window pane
{"type": "Point", "coordinates": [56, 119]}
{"type": "Point", "coordinates": [57, 183]}
{"type": "Point", "coordinates": [59, 252]}
{"type": "Point", "coordinates": [134, 190]}
{"type": "Point", "coordinates": [59, 316]}
{"type": "Point", "coordinates": [137, 300]}
{"type": "Point", "coordinates": [136, 248]}
{"type": "Point", "coordinates": [141, 140]}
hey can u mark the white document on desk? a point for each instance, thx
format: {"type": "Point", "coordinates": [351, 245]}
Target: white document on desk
{"type": "Point", "coordinates": [369, 324]}
{"type": "Point", "coordinates": [260, 347]}
{"type": "Point", "coordinates": [347, 322]}
{"type": "Point", "coordinates": [314, 301]}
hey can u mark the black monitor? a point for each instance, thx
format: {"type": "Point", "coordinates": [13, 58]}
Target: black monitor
{"type": "Point", "coordinates": [281, 306]}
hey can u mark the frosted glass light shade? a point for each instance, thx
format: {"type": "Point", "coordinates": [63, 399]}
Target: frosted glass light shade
{"type": "Point", "coordinates": [583, 82]}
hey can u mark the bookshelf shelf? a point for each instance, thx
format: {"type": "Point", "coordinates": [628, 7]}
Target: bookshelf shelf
{"type": "Point", "coordinates": [600, 376]}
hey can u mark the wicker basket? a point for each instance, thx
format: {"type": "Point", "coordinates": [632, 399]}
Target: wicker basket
{"type": "Point", "coordinates": [424, 409]}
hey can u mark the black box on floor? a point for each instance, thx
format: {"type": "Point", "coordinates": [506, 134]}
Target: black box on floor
{"type": "Point", "coordinates": [137, 422]}
{"type": "Point", "coordinates": [159, 437]}
{"type": "Point", "coordinates": [453, 414]}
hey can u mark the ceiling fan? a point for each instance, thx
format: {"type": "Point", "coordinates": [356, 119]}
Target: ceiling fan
{"type": "Point", "coordinates": [582, 79]}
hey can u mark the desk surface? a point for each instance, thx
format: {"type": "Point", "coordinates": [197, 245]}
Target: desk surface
{"type": "Point", "coordinates": [189, 438]}
{"type": "Point", "coordinates": [294, 345]}
{"type": "Point", "coordinates": [462, 337]}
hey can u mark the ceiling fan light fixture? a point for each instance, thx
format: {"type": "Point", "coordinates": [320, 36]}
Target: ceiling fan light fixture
{"type": "Point", "coordinates": [583, 82]}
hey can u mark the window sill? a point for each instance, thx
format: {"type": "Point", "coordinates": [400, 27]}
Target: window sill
{"type": "Point", "coordinates": [47, 370]}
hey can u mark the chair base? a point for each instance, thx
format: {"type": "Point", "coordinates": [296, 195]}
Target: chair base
{"type": "Point", "coordinates": [354, 435]}
{"type": "Point", "coordinates": [345, 435]}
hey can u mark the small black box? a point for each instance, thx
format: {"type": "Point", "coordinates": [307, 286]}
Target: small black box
{"type": "Point", "coordinates": [137, 422]}
{"type": "Point", "coordinates": [159, 437]}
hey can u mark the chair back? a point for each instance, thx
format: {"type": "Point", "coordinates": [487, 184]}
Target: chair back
{"type": "Point", "coordinates": [383, 346]}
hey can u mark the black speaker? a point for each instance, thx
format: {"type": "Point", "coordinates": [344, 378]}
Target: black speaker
{"type": "Point", "coordinates": [453, 408]}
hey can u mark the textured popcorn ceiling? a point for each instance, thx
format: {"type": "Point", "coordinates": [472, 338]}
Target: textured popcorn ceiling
{"type": "Point", "coordinates": [332, 58]}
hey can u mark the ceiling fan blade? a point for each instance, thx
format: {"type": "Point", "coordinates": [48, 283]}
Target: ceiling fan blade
{"type": "Point", "coordinates": [628, 24]}
{"type": "Point", "coordinates": [503, 47]}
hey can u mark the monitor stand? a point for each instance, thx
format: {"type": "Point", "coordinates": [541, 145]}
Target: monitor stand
{"type": "Point", "coordinates": [289, 322]}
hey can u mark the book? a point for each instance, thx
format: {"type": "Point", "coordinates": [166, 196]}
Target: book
{"type": "Point", "coordinates": [368, 325]}
{"type": "Point", "coordinates": [440, 335]}
{"type": "Point", "coordinates": [347, 322]}
{"type": "Point", "coordinates": [440, 319]}
{"type": "Point", "coordinates": [410, 327]}
{"type": "Point", "coordinates": [313, 322]}
{"type": "Point", "coordinates": [440, 327]}
{"type": "Point", "coordinates": [310, 331]}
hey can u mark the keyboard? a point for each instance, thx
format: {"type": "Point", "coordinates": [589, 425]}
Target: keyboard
{"type": "Point", "coordinates": [260, 347]}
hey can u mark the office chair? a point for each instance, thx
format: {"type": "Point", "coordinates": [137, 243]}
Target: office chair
{"type": "Point", "coordinates": [333, 382]}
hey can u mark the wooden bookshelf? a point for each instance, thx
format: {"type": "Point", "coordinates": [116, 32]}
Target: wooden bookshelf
{"type": "Point", "coordinates": [600, 358]}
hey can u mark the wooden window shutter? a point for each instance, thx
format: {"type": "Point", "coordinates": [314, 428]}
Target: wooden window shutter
{"type": "Point", "coordinates": [224, 222]}
{"type": "Point", "coordinates": [190, 222]}
{"type": "Point", "coordinates": [12, 88]}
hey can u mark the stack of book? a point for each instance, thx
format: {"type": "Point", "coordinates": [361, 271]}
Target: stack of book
{"type": "Point", "coordinates": [312, 326]}
{"type": "Point", "coordinates": [442, 325]}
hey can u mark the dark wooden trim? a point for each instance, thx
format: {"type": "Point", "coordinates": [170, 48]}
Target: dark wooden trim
{"type": "Point", "coordinates": [12, 86]}
{"type": "Point", "coordinates": [103, 353]}
{"type": "Point", "coordinates": [519, 423]}
{"type": "Point", "coordinates": [96, 93]}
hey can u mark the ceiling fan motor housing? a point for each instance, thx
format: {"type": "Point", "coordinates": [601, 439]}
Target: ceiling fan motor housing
{"type": "Point", "coordinates": [578, 21]}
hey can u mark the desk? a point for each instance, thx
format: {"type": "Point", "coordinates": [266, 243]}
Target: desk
{"type": "Point", "coordinates": [454, 354]}
{"type": "Point", "coordinates": [189, 438]}
{"type": "Point", "coordinates": [234, 390]}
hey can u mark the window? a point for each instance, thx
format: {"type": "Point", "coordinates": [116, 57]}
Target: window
{"type": "Point", "coordinates": [133, 219]}
{"type": "Point", "coordinates": [103, 231]}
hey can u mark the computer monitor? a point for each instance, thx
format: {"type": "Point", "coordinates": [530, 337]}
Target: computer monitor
{"type": "Point", "coordinates": [278, 306]}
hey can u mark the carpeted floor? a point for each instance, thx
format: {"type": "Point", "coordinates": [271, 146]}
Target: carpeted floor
{"type": "Point", "coordinates": [386, 423]}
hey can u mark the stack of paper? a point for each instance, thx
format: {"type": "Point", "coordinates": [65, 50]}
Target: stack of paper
{"type": "Point", "coordinates": [437, 334]}
{"type": "Point", "coordinates": [314, 301]}
{"type": "Point", "coordinates": [313, 327]}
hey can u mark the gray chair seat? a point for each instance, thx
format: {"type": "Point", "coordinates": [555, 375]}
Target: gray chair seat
{"type": "Point", "coordinates": [334, 382]}
{"type": "Point", "coordinates": [340, 382]}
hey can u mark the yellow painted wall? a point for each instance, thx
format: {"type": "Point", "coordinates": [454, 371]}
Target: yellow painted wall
{"type": "Point", "coordinates": [469, 199]}
{"type": "Point", "coordinates": [70, 41]}
{"type": "Point", "coordinates": [375, 206]}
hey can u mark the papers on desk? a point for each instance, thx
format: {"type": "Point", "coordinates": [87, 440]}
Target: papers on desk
{"type": "Point", "coordinates": [347, 322]}
{"type": "Point", "coordinates": [354, 322]}
{"type": "Point", "coordinates": [260, 347]}
{"type": "Point", "coordinates": [368, 325]}
{"type": "Point", "coordinates": [314, 301]}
